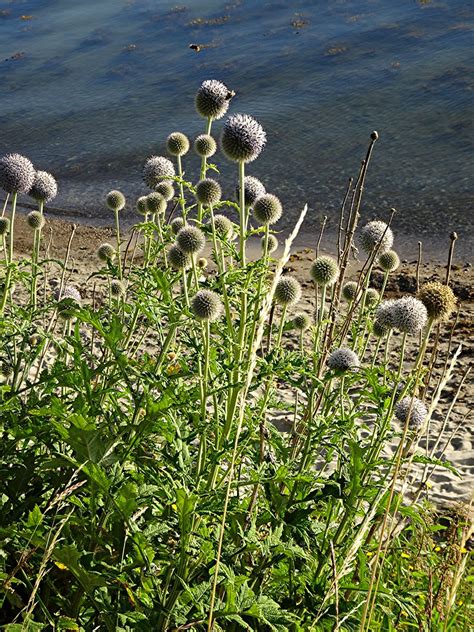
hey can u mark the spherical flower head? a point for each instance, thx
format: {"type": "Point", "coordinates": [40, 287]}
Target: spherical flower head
{"type": "Point", "coordinates": [379, 330]}
{"type": "Point", "coordinates": [177, 224]}
{"type": "Point", "coordinates": [155, 203]}
{"type": "Point", "coordinates": [253, 189]}
{"type": "Point", "coordinates": [376, 234]}
{"type": "Point", "coordinates": [202, 263]}
{"type": "Point", "coordinates": [267, 209]}
{"type": "Point", "coordinates": [178, 259]}
{"type": "Point", "coordinates": [4, 225]}
{"type": "Point", "coordinates": [409, 315]}
{"type": "Point", "coordinates": [371, 297]}
{"type": "Point", "coordinates": [243, 138]}
{"type": "Point", "coordinates": [6, 369]}
{"type": "Point", "coordinates": [343, 359]}
{"type": "Point", "coordinates": [117, 288]}
{"type": "Point", "coordinates": [205, 146]}
{"type": "Point", "coordinates": [106, 252]}
{"type": "Point", "coordinates": [301, 321]}
{"type": "Point", "coordinates": [157, 168]}
{"type": "Point", "coordinates": [17, 173]}
{"type": "Point", "coordinates": [287, 291]}
{"type": "Point", "coordinates": [191, 240]}
{"type": "Point", "coordinates": [272, 244]}
{"type": "Point", "coordinates": [349, 290]}
{"type": "Point", "coordinates": [411, 410]}
{"type": "Point", "coordinates": [141, 205]}
{"type": "Point", "coordinates": [389, 261]}
{"type": "Point", "coordinates": [384, 314]}
{"type": "Point", "coordinates": [438, 299]}
{"type": "Point", "coordinates": [68, 302]}
{"type": "Point", "coordinates": [206, 305]}
{"type": "Point", "coordinates": [45, 187]}
{"type": "Point", "coordinates": [115, 200]}
{"type": "Point", "coordinates": [208, 192]}
{"type": "Point", "coordinates": [324, 270]}
{"type": "Point", "coordinates": [178, 144]}
{"type": "Point", "coordinates": [224, 227]}
{"type": "Point", "coordinates": [165, 189]}
{"type": "Point", "coordinates": [212, 99]}
{"type": "Point", "coordinates": [35, 220]}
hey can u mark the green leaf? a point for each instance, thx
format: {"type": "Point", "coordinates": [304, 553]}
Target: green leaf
{"type": "Point", "coordinates": [35, 517]}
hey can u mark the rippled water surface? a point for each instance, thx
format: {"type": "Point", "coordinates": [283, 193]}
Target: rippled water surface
{"type": "Point", "coordinates": [90, 88]}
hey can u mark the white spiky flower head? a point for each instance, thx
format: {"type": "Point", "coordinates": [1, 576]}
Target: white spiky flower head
{"type": "Point", "coordinates": [206, 305]}
{"type": "Point", "coordinates": [17, 173]}
{"type": "Point", "coordinates": [376, 234]}
{"type": "Point", "coordinates": [389, 261]}
{"type": "Point", "coordinates": [343, 359]}
{"type": "Point", "coordinates": [212, 99]}
{"type": "Point", "coordinates": [156, 169]}
{"type": "Point", "coordinates": [191, 240]}
{"type": "Point", "coordinates": [243, 138]}
{"type": "Point", "coordinates": [409, 315]}
{"type": "Point", "coordinates": [45, 187]}
{"type": "Point", "coordinates": [287, 291]}
{"type": "Point", "coordinates": [384, 314]}
{"type": "Point", "coordinates": [411, 409]}
{"type": "Point", "coordinates": [324, 270]}
{"type": "Point", "coordinates": [301, 321]}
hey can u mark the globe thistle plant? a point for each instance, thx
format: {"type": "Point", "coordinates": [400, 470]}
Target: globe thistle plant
{"type": "Point", "coordinates": [438, 299]}
{"type": "Point", "coordinates": [17, 173]}
{"type": "Point", "coordinates": [205, 146]}
{"type": "Point", "coordinates": [379, 330]}
{"type": "Point", "coordinates": [272, 243]}
{"type": "Point", "coordinates": [411, 410]}
{"type": "Point", "coordinates": [106, 252]}
{"type": "Point", "coordinates": [409, 315]}
{"type": "Point", "coordinates": [324, 270]}
{"type": "Point", "coordinates": [35, 220]}
{"type": "Point", "coordinates": [287, 291]}
{"type": "Point", "coordinates": [68, 302]}
{"type": "Point", "coordinates": [267, 209]}
{"type": "Point", "coordinates": [389, 261]}
{"type": "Point", "coordinates": [208, 192]}
{"type": "Point", "coordinates": [178, 144]}
{"type": "Point", "coordinates": [301, 321]}
{"type": "Point", "coordinates": [191, 240]}
{"type": "Point", "coordinates": [243, 138]}
{"type": "Point", "coordinates": [178, 259]}
{"type": "Point", "coordinates": [384, 314]}
{"type": "Point", "coordinates": [155, 203]}
{"type": "Point", "coordinates": [177, 224]}
{"type": "Point", "coordinates": [206, 305]}
{"type": "Point", "coordinates": [253, 189]}
{"type": "Point", "coordinates": [372, 297]}
{"type": "Point", "coordinates": [45, 187]}
{"type": "Point", "coordinates": [165, 189]}
{"type": "Point", "coordinates": [115, 200]}
{"type": "Point", "coordinates": [224, 227]}
{"type": "Point", "coordinates": [212, 99]}
{"type": "Point", "coordinates": [374, 235]}
{"type": "Point", "coordinates": [343, 359]}
{"type": "Point", "coordinates": [202, 263]}
{"type": "Point", "coordinates": [349, 290]}
{"type": "Point", "coordinates": [141, 205]}
{"type": "Point", "coordinates": [117, 288]}
{"type": "Point", "coordinates": [156, 169]}
{"type": "Point", "coordinates": [4, 225]}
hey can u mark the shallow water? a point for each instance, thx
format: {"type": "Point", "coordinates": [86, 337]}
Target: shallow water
{"type": "Point", "coordinates": [89, 89]}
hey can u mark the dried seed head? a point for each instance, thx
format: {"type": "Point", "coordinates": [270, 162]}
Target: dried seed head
{"type": "Point", "coordinates": [45, 187]}
{"type": "Point", "coordinates": [178, 144]}
{"type": "Point", "coordinates": [253, 189]}
{"type": "Point", "coordinates": [438, 299]}
{"type": "Point", "coordinates": [243, 138]}
{"type": "Point", "coordinates": [412, 407]}
{"type": "Point", "coordinates": [208, 192]}
{"type": "Point", "coordinates": [35, 220]}
{"type": "Point", "coordinates": [267, 209]}
{"type": "Point", "coordinates": [301, 321]}
{"type": "Point", "coordinates": [376, 234]}
{"type": "Point", "coordinates": [389, 261]}
{"type": "Point", "coordinates": [191, 240]}
{"type": "Point", "coordinates": [4, 225]}
{"type": "Point", "coordinates": [379, 330]}
{"type": "Point", "coordinates": [324, 270]}
{"type": "Point", "coordinates": [106, 252]}
{"type": "Point", "coordinates": [178, 259]}
{"type": "Point", "coordinates": [343, 359]}
{"type": "Point", "coordinates": [409, 315]}
{"type": "Point", "coordinates": [17, 173]}
{"type": "Point", "coordinates": [272, 243]}
{"type": "Point", "coordinates": [206, 305]}
{"type": "Point", "coordinates": [155, 203]}
{"type": "Point", "coordinates": [177, 224]}
{"type": "Point", "coordinates": [165, 189]}
{"type": "Point", "coordinates": [372, 297]}
{"type": "Point", "coordinates": [287, 291]}
{"type": "Point", "coordinates": [212, 99]}
{"type": "Point", "coordinates": [202, 263]}
{"type": "Point", "coordinates": [384, 314]}
{"type": "Point", "coordinates": [6, 369]}
{"type": "Point", "coordinates": [224, 227]}
{"type": "Point", "coordinates": [141, 205]}
{"type": "Point", "coordinates": [115, 200]}
{"type": "Point", "coordinates": [205, 146]}
{"type": "Point", "coordinates": [349, 290]}
{"type": "Point", "coordinates": [156, 169]}
{"type": "Point", "coordinates": [117, 288]}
